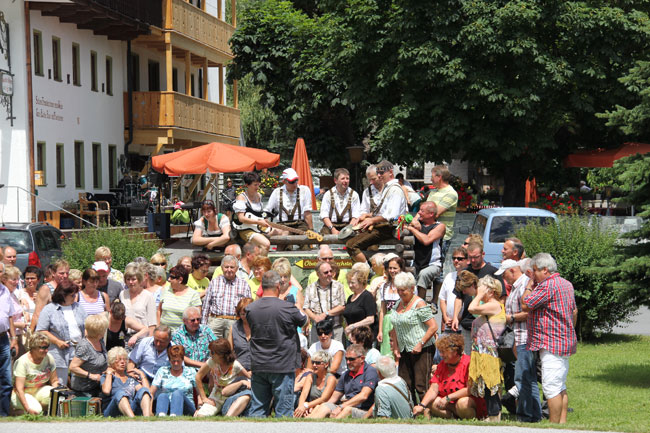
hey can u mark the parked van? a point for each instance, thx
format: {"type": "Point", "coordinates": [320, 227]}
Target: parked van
{"type": "Point", "coordinates": [495, 225]}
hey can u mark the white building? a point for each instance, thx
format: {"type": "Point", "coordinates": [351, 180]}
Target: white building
{"type": "Point", "coordinates": [77, 63]}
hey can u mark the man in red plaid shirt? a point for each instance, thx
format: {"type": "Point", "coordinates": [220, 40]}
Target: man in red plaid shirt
{"type": "Point", "coordinates": [551, 318]}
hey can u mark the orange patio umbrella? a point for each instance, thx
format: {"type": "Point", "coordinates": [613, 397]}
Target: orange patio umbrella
{"type": "Point", "coordinates": [301, 165]}
{"type": "Point", "coordinates": [215, 158]}
{"type": "Point", "coordinates": [605, 157]}
{"type": "Point", "coordinates": [531, 191]}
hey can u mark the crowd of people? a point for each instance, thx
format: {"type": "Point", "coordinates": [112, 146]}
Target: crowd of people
{"type": "Point", "coordinates": [249, 340]}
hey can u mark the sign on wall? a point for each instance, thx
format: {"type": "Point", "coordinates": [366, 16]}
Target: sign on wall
{"type": "Point", "coordinates": [6, 77]}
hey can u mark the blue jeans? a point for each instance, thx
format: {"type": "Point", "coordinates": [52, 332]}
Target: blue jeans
{"type": "Point", "coordinates": [233, 398]}
{"type": "Point", "coordinates": [266, 386]}
{"type": "Point", "coordinates": [5, 374]}
{"type": "Point", "coordinates": [175, 403]}
{"type": "Point", "coordinates": [528, 404]}
{"type": "Point", "coordinates": [113, 406]}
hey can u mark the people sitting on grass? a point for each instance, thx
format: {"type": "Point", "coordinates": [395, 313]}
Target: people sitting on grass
{"type": "Point", "coordinates": [128, 388]}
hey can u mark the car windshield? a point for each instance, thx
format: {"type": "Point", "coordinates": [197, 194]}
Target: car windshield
{"type": "Point", "coordinates": [20, 240]}
{"type": "Point", "coordinates": [504, 227]}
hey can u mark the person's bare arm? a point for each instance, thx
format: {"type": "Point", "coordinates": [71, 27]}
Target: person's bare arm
{"type": "Point", "coordinates": [363, 395]}
{"type": "Point", "coordinates": [43, 297]}
{"type": "Point", "coordinates": [336, 362]}
{"type": "Point", "coordinates": [309, 220]}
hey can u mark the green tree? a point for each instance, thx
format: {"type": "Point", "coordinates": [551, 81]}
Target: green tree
{"type": "Point", "coordinates": [579, 249]}
{"type": "Point", "coordinates": [513, 85]}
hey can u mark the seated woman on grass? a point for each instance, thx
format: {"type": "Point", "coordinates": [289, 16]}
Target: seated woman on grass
{"type": "Point", "coordinates": [448, 396]}
{"type": "Point", "coordinates": [129, 391]}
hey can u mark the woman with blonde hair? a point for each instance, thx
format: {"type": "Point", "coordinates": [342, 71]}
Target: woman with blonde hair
{"type": "Point", "coordinates": [90, 359]}
{"type": "Point", "coordinates": [318, 386]}
{"type": "Point", "coordinates": [360, 307]}
{"type": "Point", "coordinates": [103, 253]}
{"type": "Point", "coordinates": [139, 304]}
{"type": "Point", "coordinates": [129, 391]}
{"type": "Point", "coordinates": [288, 291]}
{"type": "Point", "coordinates": [10, 279]}
{"type": "Point", "coordinates": [34, 376]}
{"type": "Point", "coordinates": [485, 376]}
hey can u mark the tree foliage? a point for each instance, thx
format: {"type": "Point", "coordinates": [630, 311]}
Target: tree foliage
{"type": "Point", "coordinates": [579, 247]}
{"type": "Point", "coordinates": [508, 84]}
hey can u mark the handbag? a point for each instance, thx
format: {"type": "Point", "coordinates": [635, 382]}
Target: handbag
{"type": "Point", "coordinates": [505, 342]}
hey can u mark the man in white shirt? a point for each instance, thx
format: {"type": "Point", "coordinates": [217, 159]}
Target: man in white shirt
{"type": "Point", "coordinates": [291, 203]}
{"type": "Point", "coordinates": [377, 226]}
{"type": "Point", "coordinates": [340, 205]}
{"type": "Point", "coordinates": [372, 194]}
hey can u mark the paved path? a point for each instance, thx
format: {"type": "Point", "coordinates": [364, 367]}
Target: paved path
{"type": "Point", "coordinates": [248, 426]}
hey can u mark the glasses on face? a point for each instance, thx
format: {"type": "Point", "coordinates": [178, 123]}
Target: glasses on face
{"type": "Point", "coordinates": [194, 320]}
{"type": "Point", "coordinates": [173, 277]}
{"type": "Point", "coordinates": [318, 363]}
{"type": "Point", "coordinates": [44, 347]}
{"type": "Point", "coordinates": [292, 181]}
{"type": "Point", "coordinates": [322, 333]}
{"type": "Point", "coordinates": [458, 258]}
{"type": "Point", "coordinates": [159, 263]}
{"type": "Point", "coordinates": [351, 358]}
{"type": "Point", "coordinates": [207, 203]}
{"type": "Point", "coordinates": [326, 272]}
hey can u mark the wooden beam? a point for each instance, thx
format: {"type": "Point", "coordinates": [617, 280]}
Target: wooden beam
{"type": "Point", "coordinates": [188, 71]}
{"type": "Point", "coordinates": [167, 14]}
{"type": "Point", "coordinates": [219, 10]}
{"type": "Point", "coordinates": [192, 187]}
{"type": "Point", "coordinates": [235, 95]}
{"type": "Point", "coordinates": [208, 187]}
{"type": "Point", "coordinates": [233, 10]}
{"type": "Point", "coordinates": [168, 65]}
{"type": "Point", "coordinates": [221, 83]}
{"type": "Point", "coordinates": [205, 78]}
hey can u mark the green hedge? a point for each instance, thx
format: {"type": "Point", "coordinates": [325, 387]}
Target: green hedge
{"type": "Point", "coordinates": [579, 248]}
{"type": "Point", "coordinates": [79, 249]}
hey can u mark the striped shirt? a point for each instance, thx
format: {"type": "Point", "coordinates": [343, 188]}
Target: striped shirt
{"type": "Point", "coordinates": [513, 306]}
{"type": "Point", "coordinates": [550, 323]}
{"type": "Point", "coordinates": [222, 297]}
{"type": "Point", "coordinates": [446, 197]}
{"type": "Point", "coordinates": [173, 306]}
{"type": "Point", "coordinates": [409, 326]}
{"type": "Point", "coordinates": [96, 307]}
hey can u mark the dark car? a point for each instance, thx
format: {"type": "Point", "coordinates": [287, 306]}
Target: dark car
{"type": "Point", "coordinates": [36, 244]}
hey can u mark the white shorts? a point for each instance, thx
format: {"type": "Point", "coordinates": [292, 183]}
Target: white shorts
{"type": "Point", "coordinates": [554, 373]}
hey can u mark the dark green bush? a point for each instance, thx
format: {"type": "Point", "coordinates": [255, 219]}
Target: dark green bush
{"type": "Point", "coordinates": [579, 249]}
{"type": "Point", "coordinates": [79, 249]}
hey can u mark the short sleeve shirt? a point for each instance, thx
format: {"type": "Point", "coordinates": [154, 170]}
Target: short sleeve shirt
{"type": "Point", "coordinates": [36, 375]}
{"type": "Point", "coordinates": [222, 379]}
{"type": "Point", "coordinates": [166, 381]}
{"type": "Point", "coordinates": [223, 223]}
{"type": "Point", "coordinates": [446, 197]}
{"type": "Point", "coordinates": [94, 362]}
{"type": "Point", "coordinates": [351, 384]}
{"type": "Point", "coordinates": [173, 306]}
{"type": "Point", "coordinates": [289, 202]}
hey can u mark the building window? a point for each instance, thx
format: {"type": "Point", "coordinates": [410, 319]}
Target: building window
{"type": "Point", "coordinates": [112, 166]}
{"type": "Point", "coordinates": [38, 53]}
{"type": "Point", "coordinates": [60, 165]}
{"type": "Point", "coordinates": [191, 92]}
{"type": "Point", "coordinates": [97, 166]}
{"type": "Point", "coordinates": [79, 164]}
{"type": "Point", "coordinates": [93, 71]}
{"type": "Point", "coordinates": [154, 76]}
{"type": "Point", "coordinates": [76, 67]}
{"type": "Point", "coordinates": [56, 58]}
{"type": "Point", "coordinates": [200, 92]}
{"type": "Point", "coordinates": [175, 79]}
{"type": "Point", "coordinates": [109, 76]}
{"type": "Point", "coordinates": [40, 159]}
{"type": "Point", "coordinates": [135, 72]}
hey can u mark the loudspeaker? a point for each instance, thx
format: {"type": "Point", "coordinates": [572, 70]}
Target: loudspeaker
{"type": "Point", "coordinates": [159, 223]}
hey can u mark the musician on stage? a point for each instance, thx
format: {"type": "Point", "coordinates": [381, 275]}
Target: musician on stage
{"type": "Point", "coordinates": [248, 210]}
{"type": "Point", "coordinates": [377, 226]}
{"type": "Point", "coordinates": [291, 203]}
{"type": "Point", "coordinates": [340, 205]}
{"type": "Point", "coordinates": [372, 194]}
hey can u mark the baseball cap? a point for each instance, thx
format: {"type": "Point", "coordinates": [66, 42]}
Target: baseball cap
{"type": "Point", "coordinates": [505, 265]}
{"type": "Point", "coordinates": [289, 174]}
{"type": "Point", "coordinates": [100, 266]}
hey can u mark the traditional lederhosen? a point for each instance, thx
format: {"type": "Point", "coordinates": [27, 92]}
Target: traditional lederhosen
{"type": "Point", "coordinates": [338, 224]}
{"type": "Point", "coordinates": [373, 206]}
{"type": "Point", "coordinates": [294, 222]}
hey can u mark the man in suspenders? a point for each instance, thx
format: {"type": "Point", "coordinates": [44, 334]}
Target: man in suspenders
{"type": "Point", "coordinates": [377, 226]}
{"type": "Point", "coordinates": [340, 205]}
{"type": "Point", "coordinates": [291, 203]}
{"type": "Point", "coordinates": [372, 194]}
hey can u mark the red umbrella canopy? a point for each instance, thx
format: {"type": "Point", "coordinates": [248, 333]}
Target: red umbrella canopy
{"type": "Point", "coordinates": [603, 157]}
{"type": "Point", "coordinates": [216, 158]}
{"type": "Point", "coordinates": [301, 165]}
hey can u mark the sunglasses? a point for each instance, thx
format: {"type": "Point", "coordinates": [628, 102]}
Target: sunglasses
{"type": "Point", "coordinates": [459, 258]}
{"type": "Point", "coordinates": [194, 320]}
{"type": "Point", "coordinates": [318, 362]}
{"type": "Point", "coordinates": [323, 332]}
{"type": "Point", "coordinates": [159, 263]}
{"type": "Point", "coordinates": [351, 358]}
{"type": "Point", "coordinates": [44, 347]}
{"type": "Point", "coordinates": [173, 277]}
{"type": "Point", "coordinates": [292, 181]}
{"type": "Point", "coordinates": [208, 203]}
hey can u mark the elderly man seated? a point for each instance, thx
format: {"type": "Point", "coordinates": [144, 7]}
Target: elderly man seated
{"type": "Point", "coordinates": [194, 338]}
{"type": "Point", "coordinates": [151, 352]}
{"type": "Point", "coordinates": [354, 390]}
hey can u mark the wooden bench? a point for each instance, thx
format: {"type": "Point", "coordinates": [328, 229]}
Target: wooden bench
{"type": "Point", "coordinates": [92, 208]}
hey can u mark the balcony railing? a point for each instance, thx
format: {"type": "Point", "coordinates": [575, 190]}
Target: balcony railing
{"type": "Point", "coordinates": [171, 109]}
{"type": "Point", "coordinates": [148, 11]}
{"type": "Point", "coordinates": [199, 25]}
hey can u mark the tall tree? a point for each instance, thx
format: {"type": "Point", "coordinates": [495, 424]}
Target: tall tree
{"type": "Point", "coordinates": [513, 85]}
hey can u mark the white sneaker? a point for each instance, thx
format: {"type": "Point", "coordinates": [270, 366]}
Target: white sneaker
{"type": "Point", "coordinates": [162, 414]}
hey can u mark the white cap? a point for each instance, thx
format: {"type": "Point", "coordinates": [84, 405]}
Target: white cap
{"type": "Point", "coordinates": [100, 266]}
{"type": "Point", "coordinates": [390, 256]}
{"type": "Point", "coordinates": [289, 174]}
{"type": "Point", "coordinates": [505, 265]}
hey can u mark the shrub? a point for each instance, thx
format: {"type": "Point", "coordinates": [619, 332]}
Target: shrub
{"type": "Point", "coordinates": [79, 249]}
{"type": "Point", "coordinates": [579, 249]}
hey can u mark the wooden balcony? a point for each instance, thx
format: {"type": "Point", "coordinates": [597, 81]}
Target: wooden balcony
{"type": "Point", "coordinates": [194, 23]}
{"type": "Point", "coordinates": [181, 117]}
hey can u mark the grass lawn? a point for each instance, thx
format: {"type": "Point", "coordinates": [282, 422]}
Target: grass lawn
{"type": "Point", "coordinates": [608, 386]}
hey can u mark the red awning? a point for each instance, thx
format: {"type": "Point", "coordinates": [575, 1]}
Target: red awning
{"type": "Point", "coordinates": [605, 157]}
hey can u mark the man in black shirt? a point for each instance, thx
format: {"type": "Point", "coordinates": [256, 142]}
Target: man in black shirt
{"type": "Point", "coordinates": [275, 349]}
{"type": "Point", "coordinates": [479, 267]}
{"type": "Point", "coordinates": [428, 235]}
